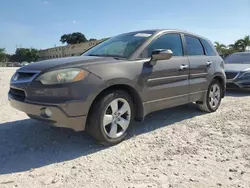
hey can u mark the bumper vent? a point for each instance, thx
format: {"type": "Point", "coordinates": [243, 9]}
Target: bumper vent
{"type": "Point", "coordinates": [17, 94]}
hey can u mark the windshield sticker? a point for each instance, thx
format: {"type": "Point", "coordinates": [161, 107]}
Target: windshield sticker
{"type": "Point", "coordinates": [142, 35]}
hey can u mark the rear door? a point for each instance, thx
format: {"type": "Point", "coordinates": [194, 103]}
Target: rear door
{"type": "Point", "coordinates": [200, 67]}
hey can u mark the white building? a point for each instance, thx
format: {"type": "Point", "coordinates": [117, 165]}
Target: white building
{"type": "Point", "coordinates": [66, 51]}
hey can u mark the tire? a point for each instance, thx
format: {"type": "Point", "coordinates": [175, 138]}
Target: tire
{"type": "Point", "coordinates": [103, 130]}
{"type": "Point", "coordinates": [206, 105]}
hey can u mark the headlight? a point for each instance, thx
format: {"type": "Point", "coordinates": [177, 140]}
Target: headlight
{"type": "Point", "coordinates": [245, 75]}
{"type": "Point", "coordinates": [63, 76]}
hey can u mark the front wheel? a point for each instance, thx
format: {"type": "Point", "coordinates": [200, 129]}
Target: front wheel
{"type": "Point", "coordinates": [212, 100]}
{"type": "Point", "coordinates": [110, 117]}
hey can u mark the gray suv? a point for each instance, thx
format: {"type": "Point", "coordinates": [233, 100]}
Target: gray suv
{"type": "Point", "coordinates": [120, 80]}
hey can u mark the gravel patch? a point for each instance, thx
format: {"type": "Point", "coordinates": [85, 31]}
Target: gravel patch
{"type": "Point", "coordinates": [178, 147]}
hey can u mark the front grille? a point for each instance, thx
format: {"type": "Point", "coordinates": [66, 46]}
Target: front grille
{"type": "Point", "coordinates": [246, 84]}
{"type": "Point", "coordinates": [231, 75]}
{"type": "Point", "coordinates": [17, 94]}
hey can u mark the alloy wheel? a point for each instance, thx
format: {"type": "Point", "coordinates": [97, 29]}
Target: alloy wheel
{"type": "Point", "coordinates": [117, 118]}
{"type": "Point", "coordinates": [214, 96]}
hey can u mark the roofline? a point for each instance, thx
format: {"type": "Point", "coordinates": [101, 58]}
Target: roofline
{"type": "Point", "coordinates": [157, 31]}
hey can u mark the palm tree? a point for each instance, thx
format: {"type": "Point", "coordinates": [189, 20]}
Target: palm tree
{"type": "Point", "coordinates": [244, 43]}
{"type": "Point", "coordinates": [219, 47]}
{"type": "Point", "coordinates": [232, 46]}
{"type": "Point", "coordinates": [240, 45]}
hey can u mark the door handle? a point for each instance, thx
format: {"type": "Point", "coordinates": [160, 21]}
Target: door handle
{"type": "Point", "coordinates": [183, 67]}
{"type": "Point", "coordinates": [209, 63]}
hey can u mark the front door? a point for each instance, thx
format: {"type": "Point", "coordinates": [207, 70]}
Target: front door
{"type": "Point", "coordinates": [166, 83]}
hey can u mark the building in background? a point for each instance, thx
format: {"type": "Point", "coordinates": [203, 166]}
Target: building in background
{"type": "Point", "coordinates": [248, 49]}
{"type": "Point", "coordinates": [66, 51]}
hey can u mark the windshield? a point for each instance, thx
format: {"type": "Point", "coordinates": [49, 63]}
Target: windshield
{"type": "Point", "coordinates": [120, 46]}
{"type": "Point", "coordinates": [239, 58]}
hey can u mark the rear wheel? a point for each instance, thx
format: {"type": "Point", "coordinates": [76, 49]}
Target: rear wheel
{"type": "Point", "coordinates": [110, 118]}
{"type": "Point", "coordinates": [213, 97]}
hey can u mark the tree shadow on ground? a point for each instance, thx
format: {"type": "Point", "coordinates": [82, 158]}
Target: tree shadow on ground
{"type": "Point", "coordinates": [27, 144]}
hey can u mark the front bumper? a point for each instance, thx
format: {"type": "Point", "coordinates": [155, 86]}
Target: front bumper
{"type": "Point", "coordinates": [234, 84]}
{"type": "Point", "coordinates": [58, 117]}
{"type": "Point", "coordinates": [68, 104]}
{"type": "Point", "coordinates": [238, 81]}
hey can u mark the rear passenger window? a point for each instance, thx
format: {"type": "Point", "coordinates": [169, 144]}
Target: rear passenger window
{"type": "Point", "coordinates": [208, 48]}
{"type": "Point", "coordinates": [169, 41]}
{"type": "Point", "coordinates": [194, 46]}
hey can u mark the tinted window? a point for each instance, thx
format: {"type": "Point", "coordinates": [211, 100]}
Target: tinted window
{"type": "Point", "coordinates": [238, 58]}
{"type": "Point", "coordinates": [194, 46]}
{"type": "Point", "coordinates": [168, 42]}
{"type": "Point", "coordinates": [208, 48]}
{"type": "Point", "coordinates": [119, 46]}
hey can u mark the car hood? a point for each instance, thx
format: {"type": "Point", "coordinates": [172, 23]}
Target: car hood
{"type": "Point", "coordinates": [237, 67]}
{"type": "Point", "coordinates": [76, 61]}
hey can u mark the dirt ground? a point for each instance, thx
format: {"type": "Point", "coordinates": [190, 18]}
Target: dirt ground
{"type": "Point", "coordinates": [179, 147]}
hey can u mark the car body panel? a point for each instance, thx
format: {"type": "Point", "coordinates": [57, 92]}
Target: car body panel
{"type": "Point", "coordinates": [237, 67]}
{"type": "Point", "coordinates": [59, 118]}
{"type": "Point", "coordinates": [166, 76]}
{"type": "Point", "coordinates": [160, 86]}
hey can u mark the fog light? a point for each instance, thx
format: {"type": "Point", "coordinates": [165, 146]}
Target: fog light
{"type": "Point", "coordinates": [48, 112]}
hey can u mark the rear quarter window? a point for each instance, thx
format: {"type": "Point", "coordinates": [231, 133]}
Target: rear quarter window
{"type": "Point", "coordinates": [209, 50]}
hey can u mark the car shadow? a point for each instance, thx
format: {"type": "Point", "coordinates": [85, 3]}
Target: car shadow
{"type": "Point", "coordinates": [28, 144]}
{"type": "Point", "coordinates": [237, 92]}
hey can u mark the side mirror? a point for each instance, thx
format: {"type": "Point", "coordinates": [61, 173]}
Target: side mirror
{"type": "Point", "coordinates": [160, 54]}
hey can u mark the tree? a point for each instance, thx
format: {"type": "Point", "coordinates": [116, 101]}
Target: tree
{"type": "Point", "coordinates": [238, 46]}
{"type": "Point", "coordinates": [73, 38]}
{"type": "Point", "coordinates": [219, 47]}
{"type": "Point", "coordinates": [244, 43]}
{"type": "Point", "coordinates": [2, 55]}
{"type": "Point", "coordinates": [92, 39]}
{"type": "Point", "coordinates": [25, 54]}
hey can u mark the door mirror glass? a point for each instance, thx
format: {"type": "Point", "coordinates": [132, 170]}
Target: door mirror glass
{"type": "Point", "coordinates": [161, 54]}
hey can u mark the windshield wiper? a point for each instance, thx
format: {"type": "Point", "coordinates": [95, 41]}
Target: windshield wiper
{"type": "Point", "coordinates": [98, 55]}
{"type": "Point", "coordinates": [107, 55]}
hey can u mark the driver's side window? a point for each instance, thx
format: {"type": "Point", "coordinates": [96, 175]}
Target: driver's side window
{"type": "Point", "coordinates": [171, 41]}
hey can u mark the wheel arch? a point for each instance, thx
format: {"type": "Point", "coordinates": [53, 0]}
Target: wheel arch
{"type": "Point", "coordinates": [138, 104]}
{"type": "Point", "coordinates": [222, 80]}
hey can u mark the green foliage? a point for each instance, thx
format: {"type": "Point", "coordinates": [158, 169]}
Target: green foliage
{"type": "Point", "coordinates": [73, 38]}
{"type": "Point", "coordinates": [243, 43]}
{"type": "Point", "coordinates": [24, 54]}
{"type": "Point", "coordinates": [219, 47]}
{"type": "Point", "coordinates": [239, 46]}
{"type": "Point", "coordinates": [3, 56]}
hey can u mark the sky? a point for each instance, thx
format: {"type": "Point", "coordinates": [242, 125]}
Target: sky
{"type": "Point", "coordinates": [41, 23]}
